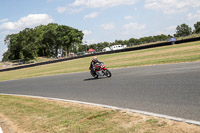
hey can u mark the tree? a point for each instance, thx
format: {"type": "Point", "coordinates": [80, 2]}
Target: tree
{"type": "Point", "coordinates": [75, 36]}
{"type": "Point", "coordinates": [6, 56]}
{"type": "Point", "coordinates": [13, 47]}
{"type": "Point", "coordinates": [39, 34]}
{"type": "Point", "coordinates": [132, 41]}
{"type": "Point", "coordinates": [183, 30]}
{"type": "Point", "coordinates": [43, 40]}
{"type": "Point", "coordinates": [27, 40]}
{"type": "Point", "coordinates": [197, 27]}
{"type": "Point", "coordinates": [118, 42]}
{"type": "Point", "coordinates": [99, 46]}
{"type": "Point", "coordinates": [68, 36]}
{"type": "Point", "coordinates": [50, 39]}
{"type": "Point", "coordinates": [82, 48]}
{"type": "Point", "coordinates": [21, 46]}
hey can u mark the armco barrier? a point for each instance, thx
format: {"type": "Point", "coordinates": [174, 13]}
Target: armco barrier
{"type": "Point", "coordinates": [187, 40]}
{"type": "Point", "coordinates": [101, 53]}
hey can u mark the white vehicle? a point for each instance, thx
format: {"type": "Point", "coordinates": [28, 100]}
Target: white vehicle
{"type": "Point", "coordinates": [106, 49]}
{"type": "Point", "coordinates": [117, 47]}
{"type": "Point", "coordinates": [114, 47]}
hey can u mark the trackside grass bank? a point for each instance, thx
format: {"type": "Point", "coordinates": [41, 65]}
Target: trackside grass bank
{"type": "Point", "coordinates": [32, 115]}
{"type": "Point", "coordinates": [186, 52]}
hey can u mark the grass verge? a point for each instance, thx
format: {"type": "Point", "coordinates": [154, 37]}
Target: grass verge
{"type": "Point", "coordinates": [186, 52]}
{"type": "Point", "coordinates": [33, 115]}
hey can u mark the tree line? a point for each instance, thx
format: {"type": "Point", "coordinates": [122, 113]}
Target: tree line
{"type": "Point", "coordinates": [131, 42]}
{"type": "Point", "coordinates": [181, 31]}
{"type": "Point", "coordinates": [47, 40]}
{"type": "Point", "coordinates": [43, 40]}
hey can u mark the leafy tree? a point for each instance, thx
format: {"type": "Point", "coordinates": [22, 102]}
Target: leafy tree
{"type": "Point", "coordinates": [82, 48]}
{"type": "Point", "coordinates": [6, 56]}
{"type": "Point", "coordinates": [93, 46]}
{"type": "Point", "coordinates": [197, 27]}
{"type": "Point", "coordinates": [43, 40]}
{"type": "Point", "coordinates": [13, 47]}
{"type": "Point", "coordinates": [28, 43]}
{"type": "Point", "coordinates": [99, 46]}
{"type": "Point", "coordinates": [117, 42]}
{"type": "Point", "coordinates": [68, 37]}
{"type": "Point", "coordinates": [133, 41]}
{"type": "Point", "coordinates": [126, 42]}
{"type": "Point", "coordinates": [49, 39]}
{"type": "Point", "coordinates": [183, 30]}
{"type": "Point", "coordinates": [39, 34]}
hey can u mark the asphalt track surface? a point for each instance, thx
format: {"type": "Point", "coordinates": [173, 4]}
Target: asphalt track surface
{"type": "Point", "coordinates": [172, 89]}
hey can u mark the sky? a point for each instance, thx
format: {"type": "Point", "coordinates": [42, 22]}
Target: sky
{"type": "Point", "coordinates": [99, 20]}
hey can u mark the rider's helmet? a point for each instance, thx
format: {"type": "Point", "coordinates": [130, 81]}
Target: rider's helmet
{"type": "Point", "coordinates": [94, 59]}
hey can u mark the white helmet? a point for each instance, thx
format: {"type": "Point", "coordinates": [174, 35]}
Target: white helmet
{"type": "Point", "coordinates": [94, 58]}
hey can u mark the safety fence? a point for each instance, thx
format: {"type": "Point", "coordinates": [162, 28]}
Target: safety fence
{"type": "Point", "coordinates": [102, 53]}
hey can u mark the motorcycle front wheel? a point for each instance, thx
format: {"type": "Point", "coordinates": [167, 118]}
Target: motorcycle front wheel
{"type": "Point", "coordinates": [108, 73]}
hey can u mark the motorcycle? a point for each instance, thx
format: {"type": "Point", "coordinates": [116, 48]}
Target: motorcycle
{"type": "Point", "coordinates": [100, 70]}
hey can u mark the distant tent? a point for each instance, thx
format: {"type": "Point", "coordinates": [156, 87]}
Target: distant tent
{"type": "Point", "coordinates": [172, 39]}
{"type": "Point", "coordinates": [91, 51]}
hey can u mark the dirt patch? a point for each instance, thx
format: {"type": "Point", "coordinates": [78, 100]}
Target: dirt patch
{"type": "Point", "coordinates": [152, 124]}
{"type": "Point", "coordinates": [7, 126]}
{"type": "Point", "coordinates": [4, 65]}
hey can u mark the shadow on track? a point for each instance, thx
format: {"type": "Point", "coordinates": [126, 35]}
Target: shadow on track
{"type": "Point", "coordinates": [92, 79]}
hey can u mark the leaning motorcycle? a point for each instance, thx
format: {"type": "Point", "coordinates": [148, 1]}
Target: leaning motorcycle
{"type": "Point", "coordinates": [100, 70]}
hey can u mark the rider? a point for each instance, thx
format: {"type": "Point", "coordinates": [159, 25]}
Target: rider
{"type": "Point", "coordinates": [93, 62]}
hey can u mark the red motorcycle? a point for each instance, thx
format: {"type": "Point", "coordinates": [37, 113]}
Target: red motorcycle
{"type": "Point", "coordinates": [100, 70]}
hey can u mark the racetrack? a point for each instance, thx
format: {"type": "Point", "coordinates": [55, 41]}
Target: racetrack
{"type": "Point", "coordinates": [172, 89]}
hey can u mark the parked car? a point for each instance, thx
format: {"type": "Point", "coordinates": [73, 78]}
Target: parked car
{"type": "Point", "coordinates": [81, 53]}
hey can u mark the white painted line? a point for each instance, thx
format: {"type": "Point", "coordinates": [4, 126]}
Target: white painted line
{"type": "Point", "coordinates": [116, 108]}
{"type": "Point", "coordinates": [1, 130]}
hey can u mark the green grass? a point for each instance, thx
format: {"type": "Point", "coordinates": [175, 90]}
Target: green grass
{"type": "Point", "coordinates": [33, 115]}
{"type": "Point", "coordinates": [42, 116]}
{"type": "Point", "coordinates": [186, 52]}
